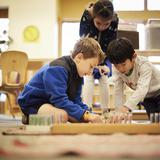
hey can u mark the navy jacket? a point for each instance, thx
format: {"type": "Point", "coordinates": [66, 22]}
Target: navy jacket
{"type": "Point", "coordinates": [58, 84]}
{"type": "Point", "coordinates": [87, 28]}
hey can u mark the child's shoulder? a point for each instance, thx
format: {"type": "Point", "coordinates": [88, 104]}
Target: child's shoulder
{"type": "Point", "coordinates": [87, 15]}
{"type": "Point", "coordinates": [142, 60]}
{"type": "Point", "coordinates": [63, 63]}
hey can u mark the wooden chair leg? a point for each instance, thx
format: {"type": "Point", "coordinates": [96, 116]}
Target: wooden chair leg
{"type": "Point", "coordinates": [10, 106]}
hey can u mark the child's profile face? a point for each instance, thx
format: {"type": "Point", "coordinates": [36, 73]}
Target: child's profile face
{"type": "Point", "coordinates": [101, 23]}
{"type": "Point", "coordinates": [126, 67]}
{"type": "Point", "coordinates": [85, 66]}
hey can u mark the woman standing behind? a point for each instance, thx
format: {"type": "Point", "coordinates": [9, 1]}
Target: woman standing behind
{"type": "Point", "coordinates": [101, 23]}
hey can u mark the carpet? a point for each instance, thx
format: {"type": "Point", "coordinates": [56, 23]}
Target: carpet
{"type": "Point", "coordinates": [83, 145]}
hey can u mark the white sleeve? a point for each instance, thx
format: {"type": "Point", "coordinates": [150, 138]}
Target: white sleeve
{"type": "Point", "coordinates": [143, 84]}
{"type": "Point", "coordinates": [118, 91]}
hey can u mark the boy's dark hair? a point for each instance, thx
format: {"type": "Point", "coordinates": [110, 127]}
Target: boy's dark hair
{"type": "Point", "coordinates": [89, 47]}
{"type": "Point", "coordinates": [120, 50]}
{"type": "Point", "coordinates": [104, 9]}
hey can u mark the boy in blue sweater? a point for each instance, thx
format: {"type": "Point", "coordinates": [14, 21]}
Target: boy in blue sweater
{"type": "Point", "coordinates": [56, 87]}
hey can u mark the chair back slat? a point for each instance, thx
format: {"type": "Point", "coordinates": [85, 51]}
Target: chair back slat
{"type": "Point", "coordinates": [14, 67]}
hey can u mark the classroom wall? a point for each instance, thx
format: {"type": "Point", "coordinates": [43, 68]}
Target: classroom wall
{"type": "Point", "coordinates": [48, 15]}
{"type": "Point", "coordinates": [41, 13]}
{"type": "Point", "coordinates": [72, 10]}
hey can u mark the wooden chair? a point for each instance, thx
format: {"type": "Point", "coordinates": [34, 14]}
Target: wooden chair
{"type": "Point", "coordinates": [14, 69]}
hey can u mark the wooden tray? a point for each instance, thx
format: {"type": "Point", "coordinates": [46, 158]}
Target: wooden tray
{"type": "Point", "coordinates": [88, 128]}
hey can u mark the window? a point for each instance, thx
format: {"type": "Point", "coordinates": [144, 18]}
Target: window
{"type": "Point", "coordinates": [70, 34]}
{"type": "Point", "coordinates": [4, 34]}
{"type": "Point", "coordinates": [141, 30]}
{"type": "Point", "coordinates": [128, 5]}
{"type": "Point", "coordinates": [153, 4]}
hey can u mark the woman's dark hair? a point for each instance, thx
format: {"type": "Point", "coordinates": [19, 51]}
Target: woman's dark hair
{"type": "Point", "coordinates": [104, 9]}
{"type": "Point", "coordinates": [120, 50]}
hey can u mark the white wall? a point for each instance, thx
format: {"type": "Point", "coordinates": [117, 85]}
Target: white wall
{"type": "Point", "coordinates": [41, 13]}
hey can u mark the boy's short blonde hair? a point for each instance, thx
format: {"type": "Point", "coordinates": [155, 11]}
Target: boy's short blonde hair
{"type": "Point", "coordinates": [89, 47]}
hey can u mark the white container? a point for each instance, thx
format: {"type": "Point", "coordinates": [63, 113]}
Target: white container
{"type": "Point", "coordinates": [152, 35]}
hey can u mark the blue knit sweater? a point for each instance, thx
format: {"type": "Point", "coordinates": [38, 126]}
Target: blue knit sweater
{"type": "Point", "coordinates": [50, 85]}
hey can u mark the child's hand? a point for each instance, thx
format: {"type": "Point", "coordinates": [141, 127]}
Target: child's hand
{"type": "Point", "coordinates": [124, 109]}
{"type": "Point", "coordinates": [93, 118]}
{"type": "Point", "coordinates": [103, 70]}
{"type": "Point", "coordinates": [126, 114]}
{"type": "Point", "coordinates": [121, 116]}
{"type": "Point", "coordinates": [113, 117]}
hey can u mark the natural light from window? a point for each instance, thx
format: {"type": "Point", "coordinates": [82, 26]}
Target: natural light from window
{"type": "Point", "coordinates": [3, 34]}
{"type": "Point", "coordinates": [153, 4]}
{"type": "Point", "coordinates": [128, 5]}
{"type": "Point", "coordinates": [70, 34]}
